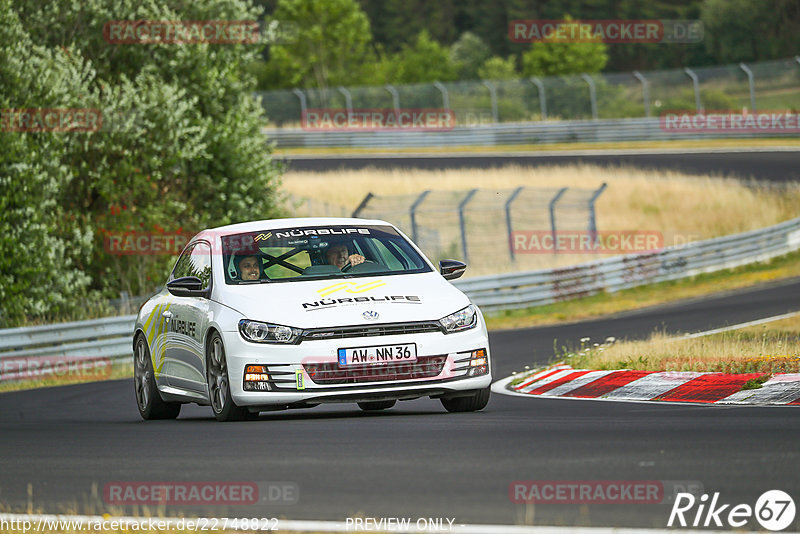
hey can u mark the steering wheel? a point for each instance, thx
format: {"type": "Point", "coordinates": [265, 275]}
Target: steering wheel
{"type": "Point", "coordinates": [348, 265]}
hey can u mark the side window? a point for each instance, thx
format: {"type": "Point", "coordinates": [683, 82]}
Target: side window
{"type": "Point", "coordinates": [388, 258]}
{"type": "Point", "coordinates": [195, 261]}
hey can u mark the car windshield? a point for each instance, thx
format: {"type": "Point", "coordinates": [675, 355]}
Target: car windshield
{"type": "Point", "coordinates": [306, 253]}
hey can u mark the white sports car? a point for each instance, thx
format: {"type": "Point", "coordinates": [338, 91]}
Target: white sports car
{"type": "Point", "coordinates": [291, 313]}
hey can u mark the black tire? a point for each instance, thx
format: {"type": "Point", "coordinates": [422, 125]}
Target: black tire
{"type": "Point", "coordinates": [148, 399]}
{"type": "Point", "coordinates": [374, 406]}
{"type": "Point", "coordinates": [219, 390]}
{"type": "Point", "coordinates": [472, 403]}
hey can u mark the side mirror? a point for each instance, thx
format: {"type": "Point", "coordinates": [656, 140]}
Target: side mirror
{"type": "Point", "coordinates": [187, 286]}
{"type": "Point", "coordinates": [451, 269]}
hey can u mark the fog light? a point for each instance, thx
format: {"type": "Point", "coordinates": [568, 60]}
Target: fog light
{"type": "Point", "coordinates": [256, 378]}
{"type": "Point", "coordinates": [478, 363]}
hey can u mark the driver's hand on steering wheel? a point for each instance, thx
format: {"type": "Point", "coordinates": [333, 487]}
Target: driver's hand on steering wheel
{"type": "Point", "coordinates": [355, 259]}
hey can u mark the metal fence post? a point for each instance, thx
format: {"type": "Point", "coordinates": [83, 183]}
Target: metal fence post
{"type": "Point", "coordinates": [462, 223]}
{"type": "Point", "coordinates": [513, 196]}
{"type": "Point", "coordinates": [395, 96]}
{"type": "Point", "coordinates": [645, 92]}
{"type": "Point", "coordinates": [592, 219]}
{"type": "Point", "coordinates": [413, 213]}
{"type": "Point", "coordinates": [445, 96]}
{"type": "Point", "coordinates": [303, 102]}
{"type": "Point", "coordinates": [362, 205]}
{"type": "Point", "coordinates": [592, 94]}
{"type": "Point", "coordinates": [751, 83]}
{"type": "Point", "coordinates": [493, 98]}
{"type": "Point", "coordinates": [542, 97]}
{"type": "Point", "coordinates": [553, 216]}
{"type": "Point", "coordinates": [348, 101]}
{"type": "Point", "coordinates": [696, 84]}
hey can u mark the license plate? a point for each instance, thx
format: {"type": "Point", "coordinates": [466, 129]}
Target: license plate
{"type": "Point", "coordinates": [379, 354]}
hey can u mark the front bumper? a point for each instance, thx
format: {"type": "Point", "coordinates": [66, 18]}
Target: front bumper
{"type": "Point", "coordinates": [308, 374]}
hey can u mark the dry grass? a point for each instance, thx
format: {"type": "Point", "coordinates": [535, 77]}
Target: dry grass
{"type": "Point", "coordinates": [682, 208]}
{"type": "Point", "coordinates": [118, 371]}
{"type": "Point", "coordinates": [769, 348]}
{"type": "Point", "coordinates": [667, 201]}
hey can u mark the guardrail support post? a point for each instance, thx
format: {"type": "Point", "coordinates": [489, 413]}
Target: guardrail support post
{"type": "Point", "coordinates": [645, 92]}
{"type": "Point", "coordinates": [552, 208]}
{"type": "Point", "coordinates": [348, 101]}
{"type": "Point", "coordinates": [696, 84]}
{"type": "Point", "coordinates": [592, 94]}
{"type": "Point", "coordinates": [511, 199]}
{"type": "Point", "coordinates": [462, 223]}
{"type": "Point", "coordinates": [542, 97]}
{"type": "Point", "coordinates": [303, 102]}
{"type": "Point", "coordinates": [445, 96]}
{"type": "Point", "coordinates": [751, 83]}
{"type": "Point", "coordinates": [493, 98]}
{"type": "Point", "coordinates": [413, 213]}
{"type": "Point", "coordinates": [395, 96]}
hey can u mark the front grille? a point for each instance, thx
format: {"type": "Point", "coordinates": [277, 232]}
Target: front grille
{"type": "Point", "coordinates": [333, 373]}
{"type": "Point", "coordinates": [388, 329]}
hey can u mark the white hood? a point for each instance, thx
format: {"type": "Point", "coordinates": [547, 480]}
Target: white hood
{"type": "Point", "coordinates": [340, 302]}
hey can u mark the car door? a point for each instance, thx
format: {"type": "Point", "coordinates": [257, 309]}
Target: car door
{"type": "Point", "coordinates": [187, 323]}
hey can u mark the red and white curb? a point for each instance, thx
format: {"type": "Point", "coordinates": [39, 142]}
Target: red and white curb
{"type": "Point", "coordinates": [562, 381]}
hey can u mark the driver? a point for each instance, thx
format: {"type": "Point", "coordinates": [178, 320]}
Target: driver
{"type": "Point", "coordinates": [249, 267]}
{"type": "Point", "coordinates": [340, 256]}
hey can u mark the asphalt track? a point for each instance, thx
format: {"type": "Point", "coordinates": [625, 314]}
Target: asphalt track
{"type": "Point", "coordinates": [771, 165]}
{"type": "Point", "coordinates": [416, 460]}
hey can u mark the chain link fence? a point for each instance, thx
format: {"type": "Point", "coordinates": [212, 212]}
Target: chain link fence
{"type": "Point", "coordinates": [769, 85]}
{"type": "Point", "coordinates": [477, 225]}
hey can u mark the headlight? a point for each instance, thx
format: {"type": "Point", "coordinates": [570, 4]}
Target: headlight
{"type": "Point", "coordinates": [460, 320]}
{"type": "Point", "coordinates": [259, 332]}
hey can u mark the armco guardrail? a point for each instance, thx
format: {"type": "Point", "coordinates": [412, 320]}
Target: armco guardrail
{"type": "Point", "coordinates": [522, 290]}
{"type": "Point", "coordinates": [110, 338]}
{"type": "Point", "coordinates": [588, 131]}
{"type": "Point", "coordinates": [63, 345]}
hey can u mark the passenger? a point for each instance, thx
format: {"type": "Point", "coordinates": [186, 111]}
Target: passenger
{"type": "Point", "coordinates": [340, 256]}
{"type": "Point", "coordinates": [248, 267]}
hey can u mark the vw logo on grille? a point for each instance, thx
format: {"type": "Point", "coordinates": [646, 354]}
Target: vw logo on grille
{"type": "Point", "coordinates": [370, 315]}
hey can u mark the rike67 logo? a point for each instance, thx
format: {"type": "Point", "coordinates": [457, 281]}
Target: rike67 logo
{"type": "Point", "coordinates": [774, 510]}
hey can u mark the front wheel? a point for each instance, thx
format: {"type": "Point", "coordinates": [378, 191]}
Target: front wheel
{"type": "Point", "coordinates": [148, 400]}
{"type": "Point", "coordinates": [219, 390]}
{"type": "Point", "coordinates": [472, 403]}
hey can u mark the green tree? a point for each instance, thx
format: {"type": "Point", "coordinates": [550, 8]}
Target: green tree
{"type": "Point", "coordinates": [557, 58]}
{"type": "Point", "coordinates": [423, 61]}
{"type": "Point", "coordinates": [42, 247]}
{"type": "Point", "coordinates": [469, 53]}
{"type": "Point", "coordinates": [332, 46]}
{"type": "Point", "coordinates": [497, 68]}
{"type": "Point", "coordinates": [751, 30]}
{"type": "Point", "coordinates": [180, 148]}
